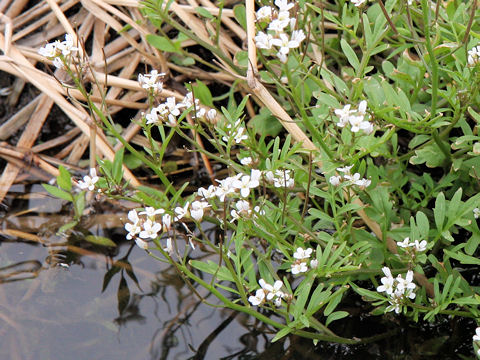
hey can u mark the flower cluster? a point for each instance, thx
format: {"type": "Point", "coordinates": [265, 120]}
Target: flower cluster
{"type": "Point", "coordinates": [348, 178]}
{"type": "Point", "coordinates": [89, 181]}
{"type": "Point", "coordinates": [280, 178]}
{"type": "Point", "coordinates": [268, 293]}
{"type": "Point", "coordinates": [397, 289]}
{"type": "Point", "coordinates": [147, 227]}
{"type": "Point", "coordinates": [169, 110]}
{"type": "Point", "coordinates": [278, 20]}
{"type": "Point", "coordinates": [357, 118]}
{"type": "Point", "coordinates": [151, 82]}
{"type": "Point", "coordinates": [474, 56]}
{"type": "Point", "coordinates": [302, 257]}
{"type": "Point", "coordinates": [61, 52]}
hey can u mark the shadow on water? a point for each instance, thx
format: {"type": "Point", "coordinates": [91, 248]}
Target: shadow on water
{"type": "Point", "coordinates": [67, 298]}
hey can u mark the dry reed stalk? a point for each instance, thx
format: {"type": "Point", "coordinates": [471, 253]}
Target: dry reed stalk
{"type": "Point", "coordinates": [19, 119]}
{"type": "Point", "coordinates": [23, 68]}
{"type": "Point", "coordinates": [26, 140]}
{"type": "Point", "coordinates": [60, 140]}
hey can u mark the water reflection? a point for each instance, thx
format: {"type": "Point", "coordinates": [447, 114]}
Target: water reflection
{"type": "Point", "coordinates": [65, 298]}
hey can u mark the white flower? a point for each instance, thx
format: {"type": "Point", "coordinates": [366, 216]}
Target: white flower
{"type": "Point", "coordinates": [363, 183]}
{"type": "Point", "coordinates": [343, 115]}
{"type": "Point", "coordinates": [357, 3]}
{"type": "Point", "coordinates": [278, 25]}
{"type": "Point", "coordinates": [355, 122]}
{"type": "Point", "coordinates": [362, 107]}
{"type": "Point", "coordinates": [245, 184]}
{"type": "Point", "coordinates": [405, 243]}
{"type": "Point", "coordinates": [242, 209]}
{"type": "Point", "coordinates": [278, 302]}
{"type": "Point", "coordinates": [188, 100]}
{"type": "Point", "coordinates": [238, 136]}
{"type": "Point", "coordinates": [345, 170]}
{"type": "Point", "coordinates": [420, 246]}
{"type": "Point", "coordinates": [272, 291]}
{"type": "Point", "coordinates": [169, 247]}
{"type": "Point", "coordinates": [284, 5]}
{"type": "Point", "coordinates": [301, 254]}
{"type": "Point", "coordinates": [151, 81]}
{"type": "Point", "coordinates": [49, 50]}
{"type": "Point", "coordinates": [335, 180]}
{"type": "Point", "coordinates": [151, 212]}
{"type": "Point", "coordinates": [298, 268]}
{"type": "Point", "coordinates": [167, 221]}
{"type": "Point", "coordinates": [264, 13]}
{"type": "Point", "coordinates": [225, 187]}
{"type": "Point", "coordinates": [474, 56]}
{"type": "Point", "coordinates": [152, 117]}
{"type": "Point", "coordinates": [211, 115]}
{"type": "Point", "coordinates": [58, 63]}
{"type": "Point", "coordinates": [297, 37]}
{"type": "Point", "coordinates": [387, 282]}
{"type": "Point", "coordinates": [181, 211]}
{"type": "Point", "coordinates": [141, 243]}
{"type": "Point", "coordinates": [264, 41]}
{"type": "Point", "coordinates": [258, 298]}
{"type": "Point", "coordinates": [134, 227]}
{"type": "Point", "coordinates": [246, 160]}
{"type": "Point", "coordinates": [314, 263]}
{"type": "Point", "coordinates": [405, 284]}
{"type": "Point", "coordinates": [207, 193]}
{"type": "Point", "coordinates": [89, 181]}
{"type": "Point", "coordinates": [476, 213]}
{"type": "Point", "coordinates": [197, 209]}
{"type": "Point", "coordinates": [476, 337]}
{"type": "Point", "coordinates": [150, 229]}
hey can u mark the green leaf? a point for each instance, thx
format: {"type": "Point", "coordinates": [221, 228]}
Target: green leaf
{"type": "Point", "coordinates": [337, 315]}
{"type": "Point", "coordinates": [123, 295]}
{"type": "Point", "coordinates": [202, 92]}
{"type": "Point", "coordinates": [463, 258]}
{"type": "Point", "coordinates": [117, 171]}
{"type": "Point", "coordinates": [302, 292]}
{"type": "Point", "coordinates": [204, 12]}
{"type": "Point", "coordinates": [66, 227]}
{"type": "Point", "coordinates": [240, 15]}
{"type": "Point", "coordinates": [64, 180]}
{"type": "Point", "coordinates": [100, 240]}
{"type": "Point", "coordinates": [350, 54]}
{"type": "Point", "coordinates": [284, 332]}
{"type": "Point", "coordinates": [265, 124]}
{"type": "Point", "coordinates": [439, 211]}
{"type": "Point", "coordinates": [109, 275]}
{"type": "Point", "coordinates": [162, 43]}
{"type": "Point", "coordinates": [59, 193]}
{"type": "Point", "coordinates": [371, 295]}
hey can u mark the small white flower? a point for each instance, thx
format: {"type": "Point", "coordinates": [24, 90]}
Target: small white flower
{"type": "Point", "coordinates": [363, 183]}
{"type": "Point", "coordinates": [258, 298]}
{"type": "Point", "coordinates": [345, 170]}
{"type": "Point", "coordinates": [181, 211]}
{"type": "Point", "coordinates": [207, 193]}
{"type": "Point", "coordinates": [134, 227]}
{"type": "Point", "coordinates": [264, 13]}
{"type": "Point", "coordinates": [335, 180]}
{"type": "Point", "coordinates": [298, 268]}
{"type": "Point", "coordinates": [301, 254]}
{"type": "Point", "coordinates": [169, 247]}
{"type": "Point", "coordinates": [278, 25]}
{"type": "Point", "coordinates": [245, 184]}
{"type": "Point", "coordinates": [150, 229]}
{"type": "Point", "coordinates": [405, 243]}
{"type": "Point", "coordinates": [343, 115]}
{"type": "Point", "coordinates": [151, 81]}
{"type": "Point", "coordinates": [264, 41]}
{"type": "Point", "coordinates": [66, 47]}
{"type": "Point", "coordinates": [151, 212]}
{"type": "Point", "coordinates": [211, 115]}
{"type": "Point", "coordinates": [357, 3]}
{"type": "Point", "coordinates": [278, 302]}
{"type": "Point", "coordinates": [89, 181]}
{"type": "Point", "coordinates": [242, 209]}
{"type": "Point", "coordinates": [167, 221]}
{"type": "Point", "coordinates": [476, 213]}
{"type": "Point", "coordinates": [49, 50]}
{"type": "Point", "coordinates": [314, 263]}
{"type": "Point", "coordinates": [141, 243]}
{"type": "Point", "coordinates": [246, 161]}
{"type": "Point", "coordinates": [474, 56]}
{"type": "Point", "coordinates": [197, 209]}
{"type": "Point", "coordinates": [284, 5]}
{"type": "Point", "coordinates": [476, 337]}
{"type": "Point", "coordinates": [362, 107]}
{"type": "Point", "coordinates": [420, 246]}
